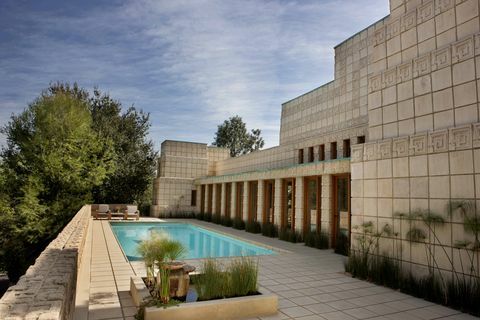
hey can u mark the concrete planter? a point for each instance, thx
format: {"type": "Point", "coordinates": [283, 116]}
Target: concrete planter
{"type": "Point", "coordinates": [231, 308]}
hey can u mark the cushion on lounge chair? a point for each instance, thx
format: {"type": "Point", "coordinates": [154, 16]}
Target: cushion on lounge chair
{"type": "Point", "coordinates": [131, 211]}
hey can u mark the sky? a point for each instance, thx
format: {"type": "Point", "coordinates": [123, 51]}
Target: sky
{"type": "Point", "coordinates": [190, 64]}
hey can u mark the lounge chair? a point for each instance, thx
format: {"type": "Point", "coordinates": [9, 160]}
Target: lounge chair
{"type": "Point", "coordinates": [102, 211]}
{"type": "Point", "coordinates": [131, 212]}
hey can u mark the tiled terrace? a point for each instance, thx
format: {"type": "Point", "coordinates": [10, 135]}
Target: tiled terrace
{"type": "Point", "coordinates": [310, 283]}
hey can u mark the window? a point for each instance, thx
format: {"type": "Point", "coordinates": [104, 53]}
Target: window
{"type": "Point", "coordinates": [346, 148]}
{"type": "Point", "coordinates": [193, 201]}
{"type": "Point", "coordinates": [310, 154]}
{"type": "Point", "coordinates": [300, 156]}
{"type": "Point", "coordinates": [361, 139]}
{"type": "Point", "coordinates": [321, 152]}
{"type": "Point", "coordinates": [333, 150]}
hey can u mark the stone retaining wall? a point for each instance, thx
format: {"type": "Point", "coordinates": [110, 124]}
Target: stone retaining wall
{"type": "Point", "coordinates": [47, 290]}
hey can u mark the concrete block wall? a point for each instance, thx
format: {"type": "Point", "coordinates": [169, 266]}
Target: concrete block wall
{"type": "Point", "coordinates": [417, 172]}
{"type": "Point", "coordinates": [47, 290]}
{"type": "Point", "coordinates": [425, 69]}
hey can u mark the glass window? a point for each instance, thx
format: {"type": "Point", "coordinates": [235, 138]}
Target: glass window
{"type": "Point", "coordinates": [333, 150]}
{"type": "Point", "coordinates": [193, 201]}
{"type": "Point", "coordinates": [312, 203]}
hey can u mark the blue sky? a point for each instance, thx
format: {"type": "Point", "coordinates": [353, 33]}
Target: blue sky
{"type": "Point", "coordinates": [191, 64]}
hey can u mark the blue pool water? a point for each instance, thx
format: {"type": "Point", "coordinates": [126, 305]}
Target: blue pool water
{"type": "Point", "coordinates": [201, 243]}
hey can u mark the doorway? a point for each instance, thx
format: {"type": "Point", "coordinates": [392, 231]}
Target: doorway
{"type": "Point", "coordinates": [312, 207]}
{"type": "Point", "coordinates": [288, 204]}
{"type": "Point", "coordinates": [341, 214]}
{"type": "Point", "coordinates": [239, 201]}
{"type": "Point", "coordinates": [252, 200]}
{"type": "Point", "coordinates": [228, 199]}
{"type": "Point", "coordinates": [269, 201]}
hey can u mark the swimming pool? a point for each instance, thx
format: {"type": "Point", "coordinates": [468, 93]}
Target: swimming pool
{"type": "Point", "coordinates": [200, 242]}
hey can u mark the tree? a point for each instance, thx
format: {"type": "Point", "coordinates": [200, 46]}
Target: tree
{"type": "Point", "coordinates": [135, 159]}
{"type": "Point", "coordinates": [134, 155]}
{"type": "Point", "coordinates": [51, 163]}
{"type": "Point", "coordinates": [233, 134]}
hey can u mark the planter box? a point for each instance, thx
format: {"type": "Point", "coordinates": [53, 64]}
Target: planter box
{"type": "Point", "coordinates": [139, 291]}
{"type": "Point", "coordinates": [231, 308]}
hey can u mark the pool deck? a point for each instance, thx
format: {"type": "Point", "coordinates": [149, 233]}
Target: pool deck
{"type": "Point", "coordinates": [310, 283]}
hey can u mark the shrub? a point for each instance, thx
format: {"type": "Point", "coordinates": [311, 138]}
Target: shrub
{"type": "Point", "coordinates": [253, 227]}
{"type": "Point", "coordinates": [316, 239]}
{"type": "Point", "coordinates": [226, 221]}
{"type": "Point", "coordinates": [200, 216]}
{"type": "Point", "coordinates": [216, 218]}
{"type": "Point", "coordinates": [342, 245]}
{"type": "Point", "coordinates": [207, 217]}
{"type": "Point", "coordinates": [238, 223]}
{"type": "Point", "coordinates": [290, 235]}
{"type": "Point", "coordinates": [270, 230]}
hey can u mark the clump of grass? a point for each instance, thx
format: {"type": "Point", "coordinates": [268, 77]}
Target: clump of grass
{"type": "Point", "coordinates": [239, 279]}
{"type": "Point", "coordinates": [270, 230]}
{"type": "Point", "coordinates": [316, 239]}
{"type": "Point", "coordinates": [211, 284]}
{"type": "Point", "coordinates": [216, 218]}
{"type": "Point", "coordinates": [342, 245]}
{"type": "Point", "coordinates": [226, 221]}
{"type": "Point", "coordinates": [238, 223]}
{"type": "Point", "coordinates": [290, 235]}
{"type": "Point", "coordinates": [243, 276]}
{"type": "Point", "coordinates": [253, 227]}
{"type": "Point", "coordinates": [207, 217]}
{"type": "Point", "coordinates": [200, 216]}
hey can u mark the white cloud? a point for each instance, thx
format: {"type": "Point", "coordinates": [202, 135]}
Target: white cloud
{"type": "Point", "coordinates": [191, 64]}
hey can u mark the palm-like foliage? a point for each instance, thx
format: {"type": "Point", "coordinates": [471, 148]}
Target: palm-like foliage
{"type": "Point", "coordinates": [158, 251]}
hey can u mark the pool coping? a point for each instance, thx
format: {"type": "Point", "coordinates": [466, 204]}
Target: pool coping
{"type": "Point", "coordinates": [275, 250]}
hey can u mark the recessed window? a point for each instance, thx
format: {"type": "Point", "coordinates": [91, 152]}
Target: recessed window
{"type": "Point", "coordinates": [333, 150]}
{"type": "Point", "coordinates": [193, 201]}
{"type": "Point", "coordinates": [321, 152]}
{"type": "Point", "coordinates": [346, 148]}
{"type": "Point", "coordinates": [361, 139]}
{"type": "Point", "coordinates": [300, 156]}
{"type": "Point", "coordinates": [310, 154]}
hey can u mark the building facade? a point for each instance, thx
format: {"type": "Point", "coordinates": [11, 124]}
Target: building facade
{"type": "Point", "coordinates": [396, 132]}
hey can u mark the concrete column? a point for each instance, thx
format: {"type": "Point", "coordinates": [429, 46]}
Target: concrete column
{"type": "Point", "coordinates": [245, 201]}
{"type": "Point", "coordinates": [206, 198]}
{"type": "Point", "coordinates": [260, 200]}
{"type": "Point", "coordinates": [327, 151]}
{"type": "Point", "coordinates": [233, 198]}
{"type": "Point", "coordinates": [327, 203]}
{"type": "Point", "coordinates": [299, 204]}
{"type": "Point", "coordinates": [224, 191]}
{"type": "Point", "coordinates": [214, 199]}
{"type": "Point", "coordinates": [278, 202]}
{"type": "Point", "coordinates": [198, 187]}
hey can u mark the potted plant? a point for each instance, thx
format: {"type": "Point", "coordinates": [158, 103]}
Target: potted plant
{"type": "Point", "coordinates": [163, 268]}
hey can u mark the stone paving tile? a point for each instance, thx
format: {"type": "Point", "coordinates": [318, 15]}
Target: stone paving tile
{"type": "Point", "coordinates": [296, 312]}
{"type": "Point", "coordinates": [360, 313]}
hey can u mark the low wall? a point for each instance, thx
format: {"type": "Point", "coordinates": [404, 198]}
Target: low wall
{"type": "Point", "coordinates": [47, 290]}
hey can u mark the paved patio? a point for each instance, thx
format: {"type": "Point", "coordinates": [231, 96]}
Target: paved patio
{"type": "Point", "coordinates": [310, 283]}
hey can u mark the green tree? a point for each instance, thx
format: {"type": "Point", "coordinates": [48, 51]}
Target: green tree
{"type": "Point", "coordinates": [134, 155]}
{"type": "Point", "coordinates": [233, 134]}
{"type": "Point", "coordinates": [135, 159]}
{"type": "Point", "coordinates": [51, 163]}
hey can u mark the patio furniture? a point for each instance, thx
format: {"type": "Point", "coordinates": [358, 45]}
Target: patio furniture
{"type": "Point", "coordinates": [131, 212]}
{"type": "Point", "coordinates": [118, 212]}
{"type": "Point", "coordinates": [103, 210]}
